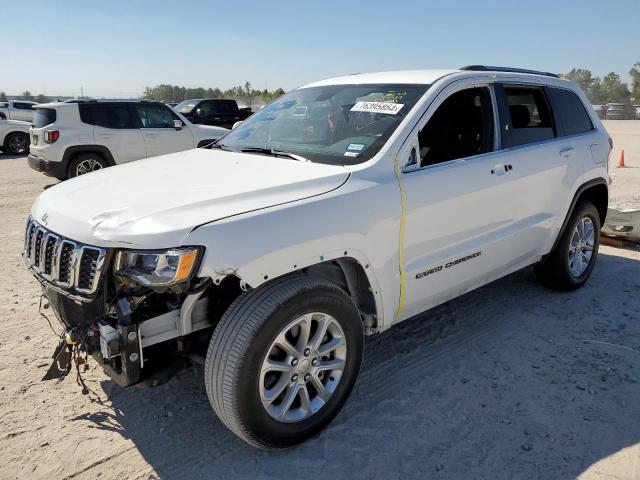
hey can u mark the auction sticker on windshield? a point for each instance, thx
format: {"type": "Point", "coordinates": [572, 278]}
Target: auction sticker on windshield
{"type": "Point", "coordinates": [378, 107]}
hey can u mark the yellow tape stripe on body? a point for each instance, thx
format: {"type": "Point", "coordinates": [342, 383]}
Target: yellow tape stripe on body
{"type": "Point", "coordinates": [403, 221]}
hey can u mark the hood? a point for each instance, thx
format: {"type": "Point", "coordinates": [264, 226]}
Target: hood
{"type": "Point", "coordinates": [209, 128]}
{"type": "Point", "coordinates": [155, 203]}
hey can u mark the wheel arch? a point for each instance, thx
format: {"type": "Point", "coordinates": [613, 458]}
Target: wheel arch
{"type": "Point", "coordinates": [351, 274]}
{"type": "Point", "coordinates": [595, 191]}
{"type": "Point", "coordinates": [75, 150]}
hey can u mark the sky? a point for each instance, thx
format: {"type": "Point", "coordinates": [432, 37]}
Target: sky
{"type": "Point", "coordinates": [116, 48]}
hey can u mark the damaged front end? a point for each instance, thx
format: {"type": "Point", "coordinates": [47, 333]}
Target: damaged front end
{"type": "Point", "coordinates": [141, 314]}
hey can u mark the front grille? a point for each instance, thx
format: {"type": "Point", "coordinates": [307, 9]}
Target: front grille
{"type": "Point", "coordinates": [67, 264]}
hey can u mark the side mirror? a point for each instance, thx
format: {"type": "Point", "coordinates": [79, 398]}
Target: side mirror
{"type": "Point", "coordinates": [199, 112]}
{"type": "Point", "coordinates": [177, 124]}
{"type": "Point", "coordinates": [237, 124]}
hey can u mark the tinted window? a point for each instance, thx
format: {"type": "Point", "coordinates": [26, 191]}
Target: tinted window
{"type": "Point", "coordinates": [528, 118]}
{"type": "Point", "coordinates": [224, 106]}
{"type": "Point", "coordinates": [44, 117]}
{"type": "Point", "coordinates": [22, 106]}
{"type": "Point", "coordinates": [205, 108]}
{"type": "Point", "coordinates": [109, 116]}
{"type": "Point", "coordinates": [461, 127]}
{"type": "Point", "coordinates": [155, 116]}
{"type": "Point", "coordinates": [570, 111]}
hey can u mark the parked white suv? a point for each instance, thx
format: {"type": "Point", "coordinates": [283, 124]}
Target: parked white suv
{"type": "Point", "coordinates": [335, 212]}
{"type": "Point", "coordinates": [77, 137]}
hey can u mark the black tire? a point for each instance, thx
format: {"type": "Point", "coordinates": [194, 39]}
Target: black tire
{"type": "Point", "coordinates": [94, 161]}
{"type": "Point", "coordinates": [241, 341]}
{"type": "Point", "coordinates": [554, 271]}
{"type": "Point", "coordinates": [16, 143]}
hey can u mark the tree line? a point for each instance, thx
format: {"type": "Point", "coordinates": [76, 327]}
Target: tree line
{"type": "Point", "coordinates": [246, 94]}
{"type": "Point", "coordinates": [608, 89]}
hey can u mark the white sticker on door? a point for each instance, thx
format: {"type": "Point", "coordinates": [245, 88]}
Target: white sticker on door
{"type": "Point", "coordinates": [378, 107]}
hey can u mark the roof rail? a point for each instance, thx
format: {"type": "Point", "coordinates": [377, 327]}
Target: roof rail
{"type": "Point", "coordinates": [80, 100]}
{"type": "Point", "coordinates": [489, 68]}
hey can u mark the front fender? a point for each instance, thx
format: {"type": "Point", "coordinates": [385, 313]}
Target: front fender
{"type": "Point", "coordinates": [263, 245]}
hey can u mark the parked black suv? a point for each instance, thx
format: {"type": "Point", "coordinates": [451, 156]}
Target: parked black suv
{"type": "Point", "coordinates": [219, 112]}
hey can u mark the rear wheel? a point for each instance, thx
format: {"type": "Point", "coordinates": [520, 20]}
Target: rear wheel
{"type": "Point", "coordinates": [16, 143]}
{"type": "Point", "coordinates": [283, 360]}
{"type": "Point", "coordinates": [570, 264]}
{"type": "Point", "coordinates": [86, 163]}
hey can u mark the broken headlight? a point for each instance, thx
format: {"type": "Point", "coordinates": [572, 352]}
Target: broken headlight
{"type": "Point", "coordinates": [153, 268]}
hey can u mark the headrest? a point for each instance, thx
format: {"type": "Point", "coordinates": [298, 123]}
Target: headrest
{"type": "Point", "coordinates": [520, 117]}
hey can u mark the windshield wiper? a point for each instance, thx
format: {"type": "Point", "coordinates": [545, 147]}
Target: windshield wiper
{"type": "Point", "coordinates": [221, 146]}
{"type": "Point", "coordinates": [274, 153]}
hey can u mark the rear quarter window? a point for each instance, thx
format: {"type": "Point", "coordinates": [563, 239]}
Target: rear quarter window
{"type": "Point", "coordinates": [44, 117]}
{"type": "Point", "coordinates": [570, 112]}
{"type": "Point", "coordinates": [107, 115]}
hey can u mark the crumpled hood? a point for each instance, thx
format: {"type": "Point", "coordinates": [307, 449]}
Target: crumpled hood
{"type": "Point", "coordinates": [155, 203]}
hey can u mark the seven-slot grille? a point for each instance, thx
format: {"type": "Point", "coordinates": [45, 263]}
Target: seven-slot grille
{"type": "Point", "coordinates": [63, 262]}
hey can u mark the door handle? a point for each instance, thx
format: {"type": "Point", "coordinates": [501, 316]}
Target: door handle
{"type": "Point", "coordinates": [567, 152]}
{"type": "Point", "coordinates": [104, 135]}
{"type": "Point", "coordinates": [501, 169]}
{"type": "Point", "coordinates": [151, 135]}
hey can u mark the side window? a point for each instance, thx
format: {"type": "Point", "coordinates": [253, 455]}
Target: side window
{"type": "Point", "coordinates": [108, 116]}
{"type": "Point", "coordinates": [527, 117]}
{"type": "Point", "coordinates": [155, 116]}
{"type": "Point", "coordinates": [461, 127]}
{"type": "Point", "coordinates": [570, 111]}
{"type": "Point", "coordinates": [225, 107]}
{"type": "Point", "coordinates": [206, 108]}
{"type": "Point", "coordinates": [22, 106]}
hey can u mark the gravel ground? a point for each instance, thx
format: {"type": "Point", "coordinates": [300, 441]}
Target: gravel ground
{"type": "Point", "coordinates": [510, 381]}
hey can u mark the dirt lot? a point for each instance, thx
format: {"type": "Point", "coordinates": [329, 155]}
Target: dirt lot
{"type": "Point", "coordinates": [511, 381]}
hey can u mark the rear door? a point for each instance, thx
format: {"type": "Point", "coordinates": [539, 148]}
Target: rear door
{"type": "Point", "coordinates": [575, 129]}
{"type": "Point", "coordinates": [159, 132]}
{"type": "Point", "coordinates": [226, 113]}
{"type": "Point", "coordinates": [544, 169]}
{"type": "Point", "coordinates": [22, 111]}
{"type": "Point", "coordinates": [116, 129]}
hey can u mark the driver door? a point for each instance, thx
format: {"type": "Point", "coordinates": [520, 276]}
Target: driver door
{"type": "Point", "coordinates": [159, 132]}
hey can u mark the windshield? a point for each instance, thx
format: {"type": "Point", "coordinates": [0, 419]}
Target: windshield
{"type": "Point", "coordinates": [335, 124]}
{"type": "Point", "coordinates": [186, 106]}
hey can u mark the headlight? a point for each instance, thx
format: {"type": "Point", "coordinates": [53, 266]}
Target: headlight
{"type": "Point", "coordinates": [157, 268]}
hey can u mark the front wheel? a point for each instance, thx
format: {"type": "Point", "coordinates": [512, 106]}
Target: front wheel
{"type": "Point", "coordinates": [283, 360]}
{"type": "Point", "coordinates": [571, 262]}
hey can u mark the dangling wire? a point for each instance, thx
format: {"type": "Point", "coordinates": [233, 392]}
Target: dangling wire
{"type": "Point", "coordinates": [78, 360]}
{"type": "Point", "coordinates": [47, 319]}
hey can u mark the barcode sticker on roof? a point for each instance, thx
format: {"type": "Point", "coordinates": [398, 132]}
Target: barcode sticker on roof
{"type": "Point", "coordinates": [378, 107]}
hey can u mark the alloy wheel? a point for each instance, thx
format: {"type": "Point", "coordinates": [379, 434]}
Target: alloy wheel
{"type": "Point", "coordinates": [581, 246]}
{"type": "Point", "coordinates": [87, 166]}
{"type": "Point", "coordinates": [303, 367]}
{"type": "Point", "coordinates": [18, 144]}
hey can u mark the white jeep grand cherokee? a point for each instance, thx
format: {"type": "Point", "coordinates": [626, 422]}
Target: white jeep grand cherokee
{"type": "Point", "coordinates": [80, 136]}
{"type": "Point", "coordinates": [342, 208]}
